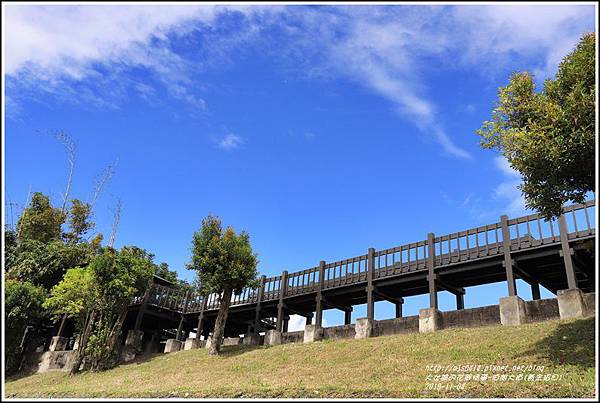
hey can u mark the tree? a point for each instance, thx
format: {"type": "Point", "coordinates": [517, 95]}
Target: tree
{"type": "Point", "coordinates": [45, 264]}
{"type": "Point", "coordinates": [40, 221]}
{"type": "Point", "coordinates": [548, 136]}
{"type": "Point", "coordinates": [79, 220]}
{"type": "Point", "coordinates": [225, 264]}
{"type": "Point", "coordinates": [22, 303]}
{"type": "Point", "coordinates": [99, 296]}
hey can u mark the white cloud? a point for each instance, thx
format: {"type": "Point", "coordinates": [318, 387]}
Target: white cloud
{"type": "Point", "coordinates": [298, 323]}
{"type": "Point", "coordinates": [230, 142]}
{"type": "Point", "coordinates": [508, 190]}
{"type": "Point", "coordinates": [384, 49]}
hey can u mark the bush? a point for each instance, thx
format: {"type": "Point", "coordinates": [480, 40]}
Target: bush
{"type": "Point", "coordinates": [23, 303]}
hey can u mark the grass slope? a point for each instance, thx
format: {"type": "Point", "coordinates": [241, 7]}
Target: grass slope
{"type": "Point", "coordinates": [392, 366]}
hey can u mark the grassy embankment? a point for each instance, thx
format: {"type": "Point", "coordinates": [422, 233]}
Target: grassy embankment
{"type": "Point", "coordinates": [392, 366]}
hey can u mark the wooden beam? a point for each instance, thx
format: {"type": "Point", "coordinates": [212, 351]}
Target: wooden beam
{"type": "Point", "coordinates": [448, 287]}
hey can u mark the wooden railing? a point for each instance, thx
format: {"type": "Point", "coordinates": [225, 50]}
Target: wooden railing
{"type": "Point", "coordinates": [526, 232]}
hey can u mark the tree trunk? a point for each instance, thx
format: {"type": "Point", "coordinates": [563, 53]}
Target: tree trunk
{"type": "Point", "coordinates": [219, 331]}
{"type": "Point", "coordinates": [83, 339]}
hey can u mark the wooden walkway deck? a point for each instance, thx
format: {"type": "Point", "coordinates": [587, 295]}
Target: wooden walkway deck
{"type": "Point", "coordinates": [548, 253]}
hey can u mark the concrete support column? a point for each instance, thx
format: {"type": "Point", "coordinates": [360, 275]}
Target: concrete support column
{"type": "Point", "coordinates": [192, 343]}
{"type": "Point", "coordinates": [251, 339]}
{"type": "Point", "coordinates": [363, 328]}
{"type": "Point", "coordinates": [134, 339]}
{"type": "Point", "coordinates": [430, 320]}
{"type": "Point", "coordinates": [460, 301]}
{"type": "Point", "coordinates": [512, 311]}
{"type": "Point", "coordinates": [58, 343]}
{"type": "Point", "coordinates": [273, 338]}
{"type": "Point", "coordinates": [173, 345]}
{"type": "Point", "coordinates": [571, 304]}
{"type": "Point", "coordinates": [312, 333]}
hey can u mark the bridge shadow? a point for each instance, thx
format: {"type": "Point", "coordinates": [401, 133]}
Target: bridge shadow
{"type": "Point", "coordinates": [571, 343]}
{"type": "Point", "coordinates": [232, 351]}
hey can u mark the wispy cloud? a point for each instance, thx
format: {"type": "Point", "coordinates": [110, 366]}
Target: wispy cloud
{"type": "Point", "coordinates": [230, 142]}
{"type": "Point", "coordinates": [83, 53]}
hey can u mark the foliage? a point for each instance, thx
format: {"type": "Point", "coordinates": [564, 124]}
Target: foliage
{"type": "Point", "coordinates": [225, 263]}
{"type": "Point", "coordinates": [548, 136]}
{"type": "Point", "coordinates": [99, 296]}
{"type": "Point", "coordinates": [74, 295]}
{"type": "Point", "coordinates": [40, 221]}
{"type": "Point", "coordinates": [79, 220]}
{"type": "Point", "coordinates": [45, 264]}
{"type": "Point", "coordinates": [222, 259]}
{"type": "Point", "coordinates": [22, 303]}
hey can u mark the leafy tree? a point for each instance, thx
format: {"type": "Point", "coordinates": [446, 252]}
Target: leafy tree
{"type": "Point", "coordinates": [99, 296]}
{"type": "Point", "coordinates": [225, 264]}
{"type": "Point", "coordinates": [548, 136]}
{"type": "Point", "coordinates": [79, 220]}
{"type": "Point", "coordinates": [40, 221]}
{"type": "Point", "coordinates": [22, 303]}
{"type": "Point", "coordinates": [45, 264]}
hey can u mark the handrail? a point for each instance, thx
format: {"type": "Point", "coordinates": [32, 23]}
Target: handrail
{"type": "Point", "coordinates": [526, 232]}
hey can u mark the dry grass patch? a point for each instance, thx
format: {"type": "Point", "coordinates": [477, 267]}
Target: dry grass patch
{"type": "Point", "coordinates": [391, 366]}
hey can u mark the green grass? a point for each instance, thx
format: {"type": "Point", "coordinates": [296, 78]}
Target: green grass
{"type": "Point", "coordinates": [392, 366]}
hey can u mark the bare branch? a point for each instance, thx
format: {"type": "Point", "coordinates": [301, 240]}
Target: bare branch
{"type": "Point", "coordinates": [103, 180]}
{"type": "Point", "coordinates": [69, 145]}
{"type": "Point", "coordinates": [22, 211]}
{"type": "Point", "coordinates": [116, 218]}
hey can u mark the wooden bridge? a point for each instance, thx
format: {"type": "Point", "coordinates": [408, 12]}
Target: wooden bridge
{"type": "Point", "coordinates": [556, 254]}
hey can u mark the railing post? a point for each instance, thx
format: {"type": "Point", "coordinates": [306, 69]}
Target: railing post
{"type": "Point", "coordinates": [370, 270]}
{"type": "Point", "coordinates": [282, 290]}
{"type": "Point", "coordinates": [433, 301]}
{"type": "Point", "coordinates": [261, 292]}
{"type": "Point", "coordinates": [180, 327]}
{"type": "Point", "coordinates": [508, 263]}
{"type": "Point", "coordinates": [566, 252]}
{"type": "Point", "coordinates": [142, 310]}
{"type": "Point", "coordinates": [200, 327]}
{"type": "Point", "coordinates": [319, 309]}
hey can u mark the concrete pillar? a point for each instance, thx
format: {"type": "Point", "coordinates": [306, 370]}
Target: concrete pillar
{"type": "Point", "coordinates": [272, 338]}
{"type": "Point", "coordinates": [430, 320]}
{"type": "Point", "coordinates": [153, 345]}
{"type": "Point", "coordinates": [251, 339]}
{"type": "Point", "coordinates": [571, 303]}
{"type": "Point", "coordinates": [512, 311]}
{"type": "Point", "coordinates": [193, 343]}
{"type": "Point", "coordinates": [134, 339]}
{"type": "Point", "coordinates": [312, 333]}
{"type": "Point", "coordinates": [173, 345]}
{"type": "Point", "coordinates": [58, 343]}
{"type": "Point", "coordinates": [363, 328]}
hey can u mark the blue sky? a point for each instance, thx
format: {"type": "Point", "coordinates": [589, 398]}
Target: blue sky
{"type": "Point", "coordinates": [320, 130]}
